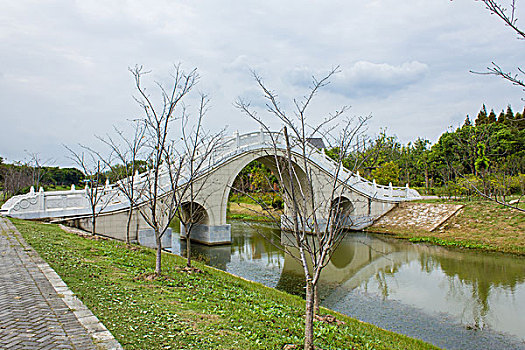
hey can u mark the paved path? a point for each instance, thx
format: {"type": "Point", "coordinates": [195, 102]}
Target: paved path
{"type": "Point", "coordinates": [37, 309]}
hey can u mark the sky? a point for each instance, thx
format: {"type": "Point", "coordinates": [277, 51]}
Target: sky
{"type": "Point", "coordinates": [64, 74]}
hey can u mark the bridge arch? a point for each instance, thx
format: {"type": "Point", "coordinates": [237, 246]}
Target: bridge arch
{"type": "Point", "coordinates": [194, 212]}
{"type": "Point", "coordinates": [342, 209]}
{"type": "Point", "coordinates": [269, 160]}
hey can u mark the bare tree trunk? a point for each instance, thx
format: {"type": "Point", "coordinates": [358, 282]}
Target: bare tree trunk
{"type": "Point", "coordinates": [128, 224]}
{"type": "Point", "coordinates": [93, 223]}
{"type": "Point", "coordinates": [188, 249]}
{"type": "Point", "coordinates": [316, 299]}
{"type": "Point", "coordinates": [158, 260]}
{"type": "Point", "coordinates": [309, 318]}
{"type": "Point", "coordinates": [426, 177]}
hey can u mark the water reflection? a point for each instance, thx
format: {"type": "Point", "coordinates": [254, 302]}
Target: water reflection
{"type": "Point", "coordinates": [370, 275]}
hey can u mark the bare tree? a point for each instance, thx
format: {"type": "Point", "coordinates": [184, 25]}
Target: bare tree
{"type": "Point", "coordinates": [97, 193]}
{"type": "Point", "coordinates": [315, 218]}
{"type": "Point", "coordinates": [197, 147]}
{"type": "Point", "coordinates": [37, 168]}
{"type": "Point", "coordinates": [125, 164]}
{"type": "Point", "coordinates": [16, 177]}
{"type": "Point", "coordinates": [20, 175]}
{"type": "Point", "coordinates": [509, 16]}
{"type": "Point", "coordinates": [159, 190]}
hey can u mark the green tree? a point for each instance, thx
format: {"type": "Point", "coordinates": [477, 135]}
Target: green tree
{"type": "Point", "coordinates": [491, 117]}
{"type": "Point", "coordinates": [482, 116]}
{"type": "Point", "coordinates": [387, 173]}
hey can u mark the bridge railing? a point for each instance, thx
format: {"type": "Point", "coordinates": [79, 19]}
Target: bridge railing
{"type": "Point", "coordinates": [240, 143]}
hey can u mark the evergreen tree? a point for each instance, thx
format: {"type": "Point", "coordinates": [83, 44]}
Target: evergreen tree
{"type": "Point", "coordinates": [520, 122]}
{"type": "Point", "coordinates": [482, 116]}
{"type": "Point", "coordinates": [501, 117]}
{"type": "Point", "coordinates": [509, 115]}
{"type": "Point", "coordinates": [491, 117]}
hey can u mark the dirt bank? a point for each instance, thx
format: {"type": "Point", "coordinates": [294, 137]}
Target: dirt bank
{"type": "Point", "coordinates": [477, 224]}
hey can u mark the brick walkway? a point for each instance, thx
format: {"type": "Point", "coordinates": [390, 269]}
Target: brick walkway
{"type": "Point", "coordinates": [37, 310]}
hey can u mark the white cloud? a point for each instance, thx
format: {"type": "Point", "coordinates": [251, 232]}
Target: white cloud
{"type": "Point", "coordinates": [64, 63]}
{"type": "Point", "coordinates": [366, 78]}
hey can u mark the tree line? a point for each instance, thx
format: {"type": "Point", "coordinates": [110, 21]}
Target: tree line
{"type": "Point", "coordinates": [485, 154]}
{"type": "Point", "coordinates": [18, 177]}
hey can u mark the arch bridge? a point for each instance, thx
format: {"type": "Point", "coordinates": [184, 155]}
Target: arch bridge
{"type": "Point", "coordinates": [363, 200]}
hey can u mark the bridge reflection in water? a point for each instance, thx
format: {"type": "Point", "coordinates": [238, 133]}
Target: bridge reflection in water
{"type": "Point", "coordinates": [452, 298]}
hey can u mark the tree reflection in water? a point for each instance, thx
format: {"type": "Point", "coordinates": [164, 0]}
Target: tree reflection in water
{"type": "Point", "coordinates": [470, 286]}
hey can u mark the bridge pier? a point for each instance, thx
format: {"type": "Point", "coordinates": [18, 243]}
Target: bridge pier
{"type": "Point", "coordinates": [209, 234]}
{"type": "Point", "coordinates": [352, 222]}
{"type": "Point", "coordinates": [146, 237]}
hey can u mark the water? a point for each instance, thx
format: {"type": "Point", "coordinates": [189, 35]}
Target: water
{"type": "Point", "coordinates": [451, 298]}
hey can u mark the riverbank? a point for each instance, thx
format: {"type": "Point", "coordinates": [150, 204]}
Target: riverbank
{"type": "Point", "coordinates": [475, 225]}
{"type": "Point", "coordinates": [187, 309]}
{"type": "Point", "coordinates": [252, 212]}
{"type": "Point", "coordinates": [464, 224]}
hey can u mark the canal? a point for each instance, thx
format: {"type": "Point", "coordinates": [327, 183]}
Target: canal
{"type": "Point", "coordinates": [454, 299]}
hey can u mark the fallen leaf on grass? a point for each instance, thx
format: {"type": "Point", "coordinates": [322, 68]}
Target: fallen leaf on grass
{"type": "Point", "coordinates": [189, 270]}
{"type": "Point", "coordinates": [328, 319]}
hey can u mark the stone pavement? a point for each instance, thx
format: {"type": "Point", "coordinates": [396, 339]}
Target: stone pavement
{"type": "Point", "coordinates": [422, 216]}
{"type": "Point", "coordinates": [37, 309]}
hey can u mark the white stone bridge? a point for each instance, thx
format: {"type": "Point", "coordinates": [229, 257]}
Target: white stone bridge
{"type": "Point", "coordinates": [365, 201]}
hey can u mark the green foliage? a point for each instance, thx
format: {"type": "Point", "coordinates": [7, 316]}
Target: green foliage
{"type": "Point", "coordinates": [270, 199]}
{"type": "Point", "coordinates": [254, 177]}
{"type": "Point", "coordinates": [492, 148]}
{"type": "Point", "coordinates": [451, 243]}
{"type": "Point", "coordinates": [387, 173]}
{"type": "Point", "coordinates": [119, 171]}
{"type": "Point", "coordinates": [56, 176]}
{"type": "Point", "coordinates": [482, 162]}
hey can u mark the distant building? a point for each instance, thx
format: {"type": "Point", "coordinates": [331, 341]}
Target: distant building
{"type": "Point", "coordinates": [317, 142]}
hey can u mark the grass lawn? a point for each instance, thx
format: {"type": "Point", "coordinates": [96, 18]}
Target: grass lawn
{"type": "Point", "coordinates": [252, 212]}
{"type": "Point", "coordinates": [480, 225]}
{"type": "Point", "coordinates": [182, 310]}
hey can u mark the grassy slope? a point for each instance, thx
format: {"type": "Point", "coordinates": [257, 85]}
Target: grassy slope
{"type": "Point", "coordinates": [479, 225]}
{"type": "Point", "coordinates": [251, 212]}
{"type": "Point", "coordinates": [210, 310]}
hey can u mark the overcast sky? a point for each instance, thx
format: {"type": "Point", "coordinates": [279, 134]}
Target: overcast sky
{"type": "Point", "coordinates": [64, 64]}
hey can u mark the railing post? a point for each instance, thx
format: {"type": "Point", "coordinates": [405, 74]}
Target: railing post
{"type": "Point", "coordinates": [391, 189]}
{"type": "Point", "coordinates": [72, 187]}
{"type": "Point", "coordinates": [42, 199]}
{"type": "Point", "coordinates": [407, 189]}
{"type": "Point", "coordinates": [237, 139]}
{"type": "Point", "coordinates": [261, 135]}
